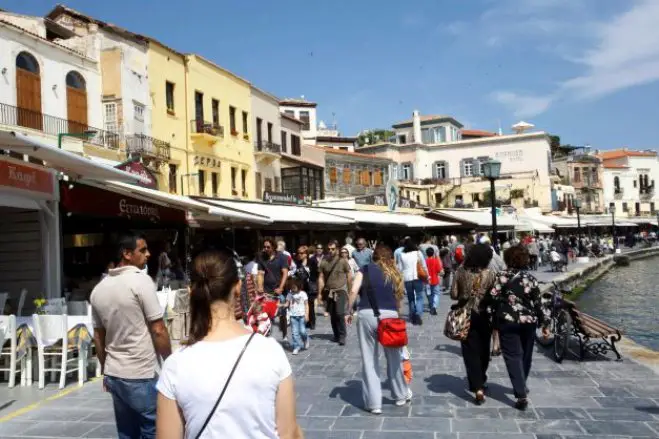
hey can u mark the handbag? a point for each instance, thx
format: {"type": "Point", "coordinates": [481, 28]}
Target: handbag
{"type": "Point", "coordinates": [420, 270]}
{"type": "Point", "coordinates": [224, 389]}
{"type": "Point", "coordinates": [458, 319]}
{"type": "Point", "coordinates": [392, 332]}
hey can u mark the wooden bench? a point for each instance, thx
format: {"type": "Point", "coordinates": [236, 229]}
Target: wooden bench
{"type": "Point", "coordinates": [595, 336]}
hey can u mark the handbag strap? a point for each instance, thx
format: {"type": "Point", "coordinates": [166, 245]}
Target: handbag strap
{"type": "Point", "coordinates": [369, 293]}
{"type": "Point", "coordinates": [226, 384]}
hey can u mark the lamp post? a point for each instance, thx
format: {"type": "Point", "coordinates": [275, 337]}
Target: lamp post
{"type": "Point", "coordinates": [84, 135]}
{"type": "Point", "coordinates": [612, 209]}
{"type": "Point", "coordinates": [577, 207]}
{"type": "Point", "coordinates": [492, 171]}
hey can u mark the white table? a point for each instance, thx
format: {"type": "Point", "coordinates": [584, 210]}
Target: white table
{"type": "Point", "coordinates": [71, 322]}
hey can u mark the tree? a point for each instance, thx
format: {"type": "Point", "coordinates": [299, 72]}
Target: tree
{"type": "Point", "coordinates": [374, 136]}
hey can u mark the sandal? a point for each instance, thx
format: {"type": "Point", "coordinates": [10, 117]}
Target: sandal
{"type": "Point", "coordinates": [479, 397]}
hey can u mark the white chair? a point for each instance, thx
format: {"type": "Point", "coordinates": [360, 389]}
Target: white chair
{"type": "Point", "coordinates": [3, 301]}
{"type": "Point", "coordinates": [78, 308]}
{"type": "Point", "coordinates": [8, 351]}
{"type": "Point", "coordinates": [21, 302]}
{"type": "Point", "coordinates": [51, 332]}
{"type": "Point", "coordinates": [182, 312]}
{"type": "Point", "coordinates": [56, 306]}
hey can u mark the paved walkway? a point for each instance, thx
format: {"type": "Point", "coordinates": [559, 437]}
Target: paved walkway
{"type": "Point", "coordinates": [594, 399]}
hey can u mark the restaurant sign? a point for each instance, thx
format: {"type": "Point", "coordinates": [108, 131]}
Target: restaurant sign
{"type": "Point", "coordinates": [135, 167]}
{"type": "Point", "coordinates": [381, 200]}
{"type": "Point", "coordinates": [24, 177]}
{"type": "Point", "coordinates": [283, 198]}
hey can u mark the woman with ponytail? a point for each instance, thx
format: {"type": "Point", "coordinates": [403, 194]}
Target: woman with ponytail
{"type": "Point", "coordinates": [202, 387]}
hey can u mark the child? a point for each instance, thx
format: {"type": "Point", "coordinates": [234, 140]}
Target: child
{"type": "Point", "coordinates": [434, 265]}
{"type": "Point", "coordinates": [298, 304]}
{"type": "Point", "coordinates": [407, 365]}
{"type": "Point", "coordinates": [260, 315]}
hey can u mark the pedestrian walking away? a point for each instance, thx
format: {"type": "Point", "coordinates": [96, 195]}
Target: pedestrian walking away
{"type": "Point", "coordinates": [130, 335]}
{"type": "Point", "coordinates": [435, 271]}
{"type": "Point", "coordinates": [334, 282]}
{"type": "Point", "coordinates": [410, 263]}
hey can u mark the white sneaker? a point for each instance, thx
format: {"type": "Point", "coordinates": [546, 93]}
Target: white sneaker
{"type": "Point", "coordinates": [306, 343]}
{"type": "Point", "coordinates": [296, 351]}
{"type": "Point", "coordinates": [376, 411]}
{"type": "Point", "coordinates": [407, 399]}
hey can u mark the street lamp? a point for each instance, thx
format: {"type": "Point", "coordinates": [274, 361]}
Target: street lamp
{"type": "Point", "coordinates": [612, 209]}
{"type": "Point", "coordinates": [492, 171]}
{"type": "Point", "coordinates": [84, 135]}
{"type": "Point", "coordinates": [577, 207]}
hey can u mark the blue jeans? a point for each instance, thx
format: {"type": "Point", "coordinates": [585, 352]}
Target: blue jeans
{"type": "Point", "coordinates": [415, 290]}
{"type": "Point", "coordinates": [299, 329]}
{"type": "Point", "coordinates": [134, 406]}
{"type": "Point", "coordinates": [433, 292]}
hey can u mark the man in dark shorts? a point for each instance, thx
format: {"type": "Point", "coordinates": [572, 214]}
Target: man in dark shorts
{"type": "Point", "coordinates": [272, 276]}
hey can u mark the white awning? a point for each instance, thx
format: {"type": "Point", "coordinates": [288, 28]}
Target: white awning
{"type": "Point", "coordinates": [386, 218]}
{"type": "Point", "coordinates": [71, 164]}
{"type": "Point", "coordinates": [282, 213]}
{"type": "Point", "coordinates": [527, 224]}
{"type": "Point", "coordinates": [208, 212]}
{"type": "Point", "coordinates": [474, 217]}
{"type": "Point", "coordinates": [554, 221]}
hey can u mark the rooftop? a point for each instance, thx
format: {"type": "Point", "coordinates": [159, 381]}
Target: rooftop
{"type": "Point", "coordinates": [621, 153]}
{"type": "Point", "coordinates": [352, 154]}
{"type": "Point", "coordinates": [291, 102]}
{"type": "Point", "coordinates": [292, 118]}
{"type": "Point", "coordinates": [614, 166]}
{"type": "Point", "coordinates": [340, 139]}
{"type": "Point", "coordinates": [39, 37]}
{"type": "Point", "coordinates": [428, 118]}
{"type": "Point", "coordinates": [477, 133]}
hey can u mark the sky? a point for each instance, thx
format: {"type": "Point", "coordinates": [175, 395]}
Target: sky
{"type": "Point", "coordinates": [586, 70]}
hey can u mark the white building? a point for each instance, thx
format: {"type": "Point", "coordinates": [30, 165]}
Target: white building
{"type": "Point", "coordinates": [305, 111]}
{"type": "Point", "coordinates": [268, 140]}
{"type": "Point", "coordinates": [629, 181]}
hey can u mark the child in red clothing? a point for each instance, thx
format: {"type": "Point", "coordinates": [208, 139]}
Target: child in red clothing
{"type": "Point", "coordinates": [435, 269]}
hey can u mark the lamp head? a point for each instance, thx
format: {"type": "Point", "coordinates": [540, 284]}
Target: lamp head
{"type": "Point", "coordinates": [577, 203]}
{"type": "Point", "coordinates": [612, 209]}
{"type": "Point", "coordinates": [492, 169]}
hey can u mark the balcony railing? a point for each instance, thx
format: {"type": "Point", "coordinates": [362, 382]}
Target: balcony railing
{"type": "Point", "coordinates": [618, 193]}
{"type": "Point", "coordinates": [148, 147]}
{"type": "Point", "coordinates": [10, 115]}
{"type": "Point", "coordinates": [647, 193]}
{"type": "Point", "coordinates": [265, 146]}
{"type": "Point", "coordinates": [205, 127]}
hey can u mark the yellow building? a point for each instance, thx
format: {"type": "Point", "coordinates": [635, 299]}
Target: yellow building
{"type": "Point", "coordinates": [221, 156]}
{"type": "Point", "coordinates": [167, 78]}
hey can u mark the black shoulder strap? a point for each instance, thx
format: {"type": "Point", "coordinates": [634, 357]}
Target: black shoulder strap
{"type": "Point", "coordinates": [226, 384]}
{"type": "Point", "coordinates": [366, 284]}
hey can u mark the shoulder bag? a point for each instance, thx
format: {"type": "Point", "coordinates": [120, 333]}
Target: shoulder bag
{"type": "Point", "coordinates": [392, 332]}
{"type": "Point", "coordinates": [224, 389]}
{"type": "Point", "coordinates": [421, 272]}
{"type": "Point", "coordinates": [458, 319]}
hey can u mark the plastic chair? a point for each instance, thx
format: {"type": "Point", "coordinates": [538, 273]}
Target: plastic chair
{"type": "Point", "coordinates": [55, 306]}
{"type": "Point", "coordinates": [8, 349]}
{"type": "Point", "coordinates": [21, 302]}
{"type": "Point", "coordinates": [51, 332]}
{"type": "Point", "coordinates": [77, 308]}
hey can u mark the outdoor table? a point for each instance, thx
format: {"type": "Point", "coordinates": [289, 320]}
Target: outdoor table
{"type": "Point", "coordinates": [80, 333]}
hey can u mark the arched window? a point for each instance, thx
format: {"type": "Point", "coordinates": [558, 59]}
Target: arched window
{"type": "Point", "coordinates": [75, 80]}
{"type": "Point", "coordinates": [25, 61]}
{"type": "Point", "coordinates": [616, 183]}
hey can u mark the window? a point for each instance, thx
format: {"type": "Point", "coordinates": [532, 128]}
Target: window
{"type": "Point", "coordinates": [333, 175]}
{"type": "Point", "coordinates": [268, 184]}
{"type": "Point", "coordinates": [440, 134]}
{"type": "Point", "coordinates": [295, 145]}
{"type": "Point", "coordinates": [290, 113]}
{"type": "Point", "coordinates": [377, 178]}
{"type": "Point", "coordinates": [75, 80]}
{"type": "Point", "coordinates": [269, 132]}
{"type": "Point", "coordinates": [199, 107]}
{"type": "Point", "coordinates": [232, 121]}
{"type": "Point", "coordinates": [406, 172]}
{"type": "Point", "coordinates": [214, 181]}
{"type": "Point", "coordinates": [243, 177]}
{"type": "Point", "coordinates": [172, 178]}
{"type": "Point", "coordinates": [259, 184]}
{"type": "Point", "coordinates": [259, 131]}
{"type": "Point", "coordinates": [440, 170]}
{"type": "Point", "coordinates": [635, 183]}
{"type": "Point", "coordinates": [111, 123]}
{"type": "Point", "coordinates": [625, 208]}
{"type": "Point", "coordinates": [201, 176]}
{"type": "Point", "coordinates": [347, 175]}
{"type": "Point", "coordinates": [138, 118]}
{"type": "Point", "coordinates": [616, 184]}
{"type": "Point", "coordinates": [476, 197]}
{"type": "Point", "coordinates": [365, 178]}
{"type": "Point", "coordinates": [652, 208]}
{"type": "Point", "coordinates": [402, 139]}
{"type": "Point", "coordinates": [245, 116]}
{"type": "Point", "coordinates": [277, 184]}
{"type": "Point", "coordinates": [234, 172]}
{"type": "Point", "coordinates": [468, 169]}
{"type": "Point", "coordinates": [215, 104]}
{"type": "Point", "coordinates": [594, 175]}
{"type": "Point", "coordinates": [25, 61]}
{"type": "Point", "coordinates": [427, 136]}
{"type": "Point", "coordinates": [304, 117]}
{"type": "Point", "coordinates": [577, 175]}
{"type": "Point", "coordinates": [284, 141]}
{"type": "Point", "coordinates": [169, 96]}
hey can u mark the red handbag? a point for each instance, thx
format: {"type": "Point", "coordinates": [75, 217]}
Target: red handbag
{"type": "Point", "coordinates": [392, 332]}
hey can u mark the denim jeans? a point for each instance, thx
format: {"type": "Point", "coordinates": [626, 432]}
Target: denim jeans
{"type": "Point", "coordinates": [134, 406]}
{"type": "Point", "coordinates": [433, 292]}
{"type": "Point", "coordinates": [299, 329]}
{"type": "Point", "coordinates": [414, 289]}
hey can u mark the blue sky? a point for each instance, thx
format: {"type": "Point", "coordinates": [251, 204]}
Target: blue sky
{"type": "Point", "coordinates": [586, 70]}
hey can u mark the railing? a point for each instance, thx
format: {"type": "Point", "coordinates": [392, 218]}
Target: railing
{"type": "Point", "coordinates": [204, 127]}
{"type": "Point", "coordinates": [265, 146]}
{"type": "Point", "coordinates": [647, 193]}
{"type": "Point", "coordinates": [618, 193]}
{"type": "Point", "coordinates": [148, 147]}
{"type": "Point", "coordinates": [10, 115]}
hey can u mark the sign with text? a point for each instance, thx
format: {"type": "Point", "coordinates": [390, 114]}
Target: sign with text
{"type": "Point", "coordinates": [382, 200]}
{"type": "Point", "coordinates": [137, 168]}
{"type": "Point", "coordinates": [24, 177]}
{"type": "Point", "coordinates": [283, 198]}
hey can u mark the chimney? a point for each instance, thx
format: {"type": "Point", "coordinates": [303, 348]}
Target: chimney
{"type": "Point", "coordinates": [416, 126]}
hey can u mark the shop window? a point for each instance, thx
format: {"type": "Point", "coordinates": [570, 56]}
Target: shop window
{"type": "Point", "coordinates": [333, 177]}
{"type": "Point", "coordinates": [347, 175]}
{"type": "Point", "coordinates": [201, 176]}
{"type": "Point", "coordinates": [169, 96]}
{"type": "Point", "coordinates": [172, 178]}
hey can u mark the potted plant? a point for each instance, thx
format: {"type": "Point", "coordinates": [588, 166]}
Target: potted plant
{"type": "Point", "coordinates": [40, 303]}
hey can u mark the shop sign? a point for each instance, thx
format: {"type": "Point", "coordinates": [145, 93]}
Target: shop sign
{"type": "Point", "coordinates": [88, 200]}
{"type": "Point", "coordinates": [137, 168]}
{"type": "Point", "coordinates": [283, 198]}
{"type": "Point", "coordinates": [207, 162]}
{"type": "Point", "coordinates": [18, 176]}
{"type": "Point", "coordinates": [392, 203]}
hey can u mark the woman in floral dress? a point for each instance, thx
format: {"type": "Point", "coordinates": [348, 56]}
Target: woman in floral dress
{"type": "Point", "coordinates": [516, 305]}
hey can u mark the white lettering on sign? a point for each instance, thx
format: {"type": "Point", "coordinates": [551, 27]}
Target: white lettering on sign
{"type": "Point", "coordinates": [405, 203]}
{"type": "Point", "coordinates": [27, 178]}
{"type": "Point", "coordinates": [379, 200]}
{"type": "Point", "coordinates": [138, 209]}
{"type": "Point", "coordinates": [372, 243]}
{"type": "Point", "coordinates": [512, 156]}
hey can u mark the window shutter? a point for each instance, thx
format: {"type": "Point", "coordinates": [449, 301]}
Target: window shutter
{"type": "Point", "coordinates": [446, 166]}
{"type": "Point", "coordinates": [411, 171]}
{"type": "Point", "coordinates": [347, 175]}
{"type": "Point", "coordinates": [434, 170]}
{"type": "Point", "coordinates": [332, 175]}
{"type": "Point", "coordinates": [462, 167]}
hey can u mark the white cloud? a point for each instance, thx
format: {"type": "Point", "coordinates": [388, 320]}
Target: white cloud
{"type": "Point", "coordinates": [523, 105]}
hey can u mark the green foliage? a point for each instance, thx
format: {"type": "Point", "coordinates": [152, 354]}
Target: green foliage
{"type": "Point", "coordinates": [374, 136]}
{"type": "Point", "coordinates": [516, 193]}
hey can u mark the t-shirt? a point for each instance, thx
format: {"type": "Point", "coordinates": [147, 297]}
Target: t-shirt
{"type": "Point", "coordinates": [337, 278]}
{"type": "Point", "coordinates": [195, 375]}
{"type": "Point", "coordinates": [123, 304]}
{"type": "Point", "coordinates": [383, 291]}
{"type": "Point", "coordinates": [272, 271]}
{"type": "Point", "coordinates": [363, 257]}
{"type": "Point", "coordinates": [434, 268]}
{"type": "Point", "coordinates": [297, 303]}
{"type": "Point", "coordinates": [407, 265]}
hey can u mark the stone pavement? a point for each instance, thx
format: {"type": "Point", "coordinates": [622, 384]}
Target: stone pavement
{"type": "Point", "coordinates": [594, 399]}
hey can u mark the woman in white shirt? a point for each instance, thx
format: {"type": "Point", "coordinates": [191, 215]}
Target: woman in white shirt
{"type": "Point", "coordinates": [221, 357]}
{"type": "Point", "coordinates": [407, 264]}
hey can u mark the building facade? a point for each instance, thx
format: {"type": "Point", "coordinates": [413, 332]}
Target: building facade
{"type": "Point", "coordinates": [305, 111]}
{"type": "Point", "coordinates": [353, 174]}
{"type": "Point", "coordinates": [221, 156]}
{"type": "Point", "coordinates": [268, 140]}
{"type": "Point", "coordinates": [583, 171]}
{"type": "Point", "coordinates": [629, 181]}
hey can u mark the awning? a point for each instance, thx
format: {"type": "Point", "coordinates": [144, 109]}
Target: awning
{"type": "Point", "coordinates": [474, 217]}
{"type": "Point", "coordinates": [386, 218]}
{"type": "Point", "coordinates": [279, 213]}
{"type": "Point", "coordinates": [71, 164]}
{"type": "Point", "coordinates": [554, 221]}
{"type": "Point", "coordinates": [527, 224]}
{"type": "Point", "coordinates": [210, 213]}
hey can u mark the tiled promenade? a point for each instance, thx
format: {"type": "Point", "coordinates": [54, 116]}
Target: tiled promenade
{"type": "Point", "coordinates": [594, 399]}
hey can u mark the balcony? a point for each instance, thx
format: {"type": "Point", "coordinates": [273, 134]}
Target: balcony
{"type": "Point", "coordinates": [15, 116]}
{"type": "Point", "coordinates": [647, 193]}
{"type": "Point", "coordinates": [207, 131]}
{"type": "Point", "coordinates": [148, 147]}
{"type": "Point", "coordinates": [266, 152]}
{"type": "Point", "coordinates": [618, 193]}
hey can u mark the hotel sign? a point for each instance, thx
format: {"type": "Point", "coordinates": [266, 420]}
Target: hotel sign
{"type": "Point", "coordinates": [283, 198]}
{"type": "Point", "coordinates": [512, 156]}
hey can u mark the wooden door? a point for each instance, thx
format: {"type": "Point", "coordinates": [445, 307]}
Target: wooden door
{"type": "Point", "coordinates": [76, 107]}
{"type": "Point", "coordinates": [28, 99]}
